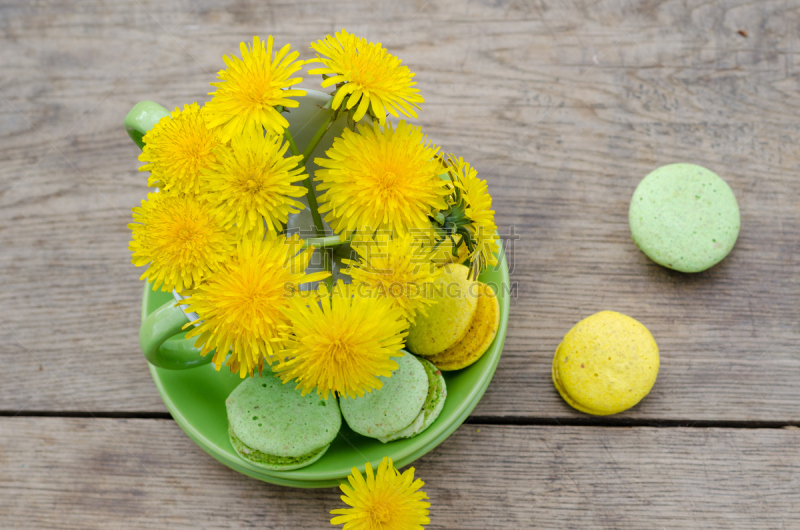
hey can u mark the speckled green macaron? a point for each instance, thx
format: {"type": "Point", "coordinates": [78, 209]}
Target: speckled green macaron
{"type": "Point", "coordinates": [273, 426]}
{"type": "Point", "coordinates": [684, 217]}
{"type": "Point", "coordinates": [407, 404]}
{"type": "Point", "coordinates": [434, 402]}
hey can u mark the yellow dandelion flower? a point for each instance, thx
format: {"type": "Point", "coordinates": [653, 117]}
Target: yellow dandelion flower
{"type": "Point", "coordinates": [241, 306]}
{"type": "Point", "coordinates": [180, 238]}
{"type": "Point", "coordinates": [367, 74]}
{"type": "Point", "coordinates": [177, 149]}
{"type": "Point", "coordinates": [380, 179]}
{"type": "Point", "coordinates": [396, 268]}
{"type": "Point", "coordinates": [482, 229]}
{"type": "Point", "coordinates": [251, 183]}
{"type": "Point", "coordinates": [387, 500]}
{"type": "Point", "coordinates": [341, 344]}
{"type": "Point", "coordinates": [251, 87]}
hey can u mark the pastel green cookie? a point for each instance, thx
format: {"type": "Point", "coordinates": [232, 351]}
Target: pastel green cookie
{"type": "Point", "coordinates": [273, 426]}
{"type": "Point", "coordinates": [409, 401]}
{"type": "Point", "coordinates": [394, 406]}
{"type": "Point", "coordinates": [434, 403]}
{"type": "Point", "coordinates": [684, 217]}
{"type": "Point", "coordinates": [606, 364]}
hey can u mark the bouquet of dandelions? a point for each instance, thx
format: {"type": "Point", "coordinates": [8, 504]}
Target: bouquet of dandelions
{"type": "Point", "coordinates": [229, 175]}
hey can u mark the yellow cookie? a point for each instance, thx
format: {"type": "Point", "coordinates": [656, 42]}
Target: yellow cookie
{"type": "Point", "coordinates": [448, 319]}
{"type": "Point", "coordinates": [481, 333]}
{"type": "Point", "coordinates": [606, 364]}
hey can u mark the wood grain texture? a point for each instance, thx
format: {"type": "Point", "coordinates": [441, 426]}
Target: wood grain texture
{"type": "Point", "coordinates": [104, 473]}
{"type": "Point", "coordinates": [562, 105]}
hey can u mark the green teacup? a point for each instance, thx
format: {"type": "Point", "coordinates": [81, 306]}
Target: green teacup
{"type": "Point", "coordinates": [160, 335]}
{"type": "Point", "coordinates": [196, 398]}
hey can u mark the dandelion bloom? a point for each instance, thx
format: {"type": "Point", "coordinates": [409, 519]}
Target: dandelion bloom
{"type": "Point", "coordinates": [397, 268]}
{"type": "Point", "coordinates": [252, 184]}
{"type": "Point", "coordinates": [380, 178]}
{"type": "Point", "coordinates": [477, 225]}
{"type": "Point", "coordinates": [177, 149]}
{"type": "Point", "coordinates": [180, 238]}
{"type": "Point", "coordinates": [241, 306]}
{"type": "Point", "coordinates": [341, 344]}
{"type": "Point", "coordinates": [387, 500]}
{"type": "Point", "coordinates": [251, 88]}
{"type": "Point", "coordinates": [371, 77]}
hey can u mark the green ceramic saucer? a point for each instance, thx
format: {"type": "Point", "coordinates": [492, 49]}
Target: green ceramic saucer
{"type": "Point", "coordinates": [196, 399]}
{"type": "Point", "coordinates": [196, 396]}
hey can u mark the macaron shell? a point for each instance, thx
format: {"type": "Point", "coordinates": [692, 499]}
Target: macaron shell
{"type": "Point", "coordinates": [390, 409]}
{"type": "Point", "coordinates": [684, 217]}
{"type": "Point", "coordinates": [448, 319]}
{"type": "Point", "coordinates": [434, 403]}
{"type": "Point", "coordinates": [437, 394]}
{"type": "Point", "coordinates": [480, 335]}
{"type": "Point", "coordinates": [413, 429]}
{"type": "Point", "coordinates": [273, 418]}
{"type": "Point", "coordinates": [606, 364]}
{"type": "Point", "coordinates": [271, 462]}
{"type": "Point", "coordinates": [565, 396]}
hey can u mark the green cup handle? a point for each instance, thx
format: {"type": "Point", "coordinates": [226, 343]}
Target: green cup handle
{"type": "Point", "coordinates": [142, 117]}
{"type": "Point", "coordinates": [158, 345]}
{"type": "Point", "coordinates": [158, 329]}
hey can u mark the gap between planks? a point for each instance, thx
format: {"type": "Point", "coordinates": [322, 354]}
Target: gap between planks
{"type": "Point", "coordinates": [524, 421]}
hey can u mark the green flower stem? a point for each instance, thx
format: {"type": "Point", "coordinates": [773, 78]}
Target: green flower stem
{"type": "Point", "coordinates": [327, 264]}
{"type": "Point", "coordinates": [319, 229]}
{"type": "Point", "coordinates": [317, 138]}
{"type": "Point", "coordinates": [323, 242]}
{"type": "Point", "coordinates": [327, 258]}
{"type": "Point", "coordinates": [292, 146]}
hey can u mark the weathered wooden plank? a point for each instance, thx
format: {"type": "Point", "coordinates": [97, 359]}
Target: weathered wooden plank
{"type": "Point", "coordinates": [101, 473]}
{"type": "Point", "coordinates": [564, 106]}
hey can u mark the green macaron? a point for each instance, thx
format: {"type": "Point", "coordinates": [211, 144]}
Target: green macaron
{"type": "Point", "coordinates": [684, 217]}
{"type": "Point", "coordinates": [408, 402]}
{"type": "Point", "coordinates": [273, 426]}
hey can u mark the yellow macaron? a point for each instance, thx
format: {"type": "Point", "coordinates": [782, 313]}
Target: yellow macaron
{"type": "Point", "coordinates": [607, 363]}
{"type": "Point", "coordinates": [447, 321]}
{"type": "Point", "coordinates": [482, 330]}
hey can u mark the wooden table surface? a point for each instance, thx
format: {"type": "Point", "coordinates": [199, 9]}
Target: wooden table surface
{"type": "Point", "coordinates": [563, 106]}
